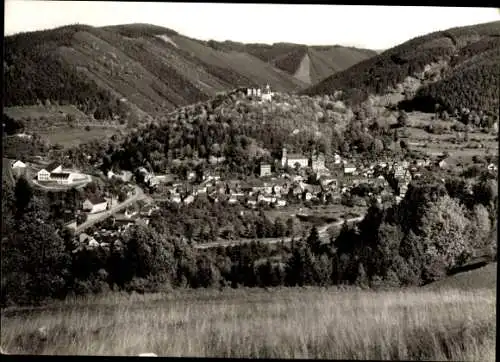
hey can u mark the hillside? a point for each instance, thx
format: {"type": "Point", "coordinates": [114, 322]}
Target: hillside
{"type": "Point", "coordinates": [471, 56]}
{"type": "Point", "coordinates": [120, 71]}
{"type": "Point", "coordinates": [138, 70]}
{"type": "Point", "coordinates": [309, 64]}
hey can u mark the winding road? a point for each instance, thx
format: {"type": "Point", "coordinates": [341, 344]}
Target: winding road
{"type": "Point", "coordinates": [322, 231]}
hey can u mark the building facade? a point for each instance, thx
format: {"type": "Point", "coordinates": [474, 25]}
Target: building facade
{"type": "Point", "coordinates": [265, 169]}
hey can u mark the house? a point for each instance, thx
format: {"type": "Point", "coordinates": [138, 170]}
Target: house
{"type": "Point", "coordinates": [328, 182]}
{"type": "Point", "coordinates": [265, 169]}
{"type": "Point", "coordinates": [142, 221]}
{"type": "Point", "coordinates": [85, 238]}
{"type": "Point", "coordinates": [71, 224]}
{"type": "Point", "coordinates": [399, 171]}
{"type": "Point", "coordinates": [291, 160]}
{"type": "Point", "coordinates": [130, 212]}
{"type": "Point", "coordinates": [18, 165]}
{"type": "Point", "coordinates": [280, 203]}
{"type": "Point", "coordinates": [318, 163]}
{"type": "Point", "coordinates": [337, 159]}
{"type": "Point", "coordinates": [443, 164]}
{"type": "Point", "coordinates": [266, 199]}
{"type": "Point", "coordinates": [267, 95]}
{"type": "Point", "coordinates": [349, 169]}
{"type": "Point", "coordinates": [191, 175]}
{"type": "Point", "coordinates": [216, 160]}
{"type": "Point", "coordinates": [175, 198]}
{"type": "Point", "coordinates": [492, 167]}
{"type": "Point", "coordinates": [189, 199]}
{"type": "Point", "coordinates": [95, 204]}
{"type": "Point", "coordinates": [44, 173]}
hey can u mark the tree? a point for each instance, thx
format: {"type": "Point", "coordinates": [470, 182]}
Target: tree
{"type": "Point", "coordinates": [378, 146]}
{"type": "Point", "coordinates": [280, 228]}
{"type": "Point", "coordinates": [35, 264]}
{"type": "Point", "coordinates": [23, 195]}
{"type": "Point", "coordinates": [313, 241]}
{"type": "Point", "coordinates": [482, 226]}
{"type": "Point", "coordinates": [444, 237]}
{"type": "Point", "coordinates": [290, 227]}
{"type": "Point", "coordinates": [486, 191]}
{"type": "Point", "coordinates": [402, 119]}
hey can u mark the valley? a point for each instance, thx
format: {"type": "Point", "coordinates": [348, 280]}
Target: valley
{"type": "Point", "coordinates": [244, 200]}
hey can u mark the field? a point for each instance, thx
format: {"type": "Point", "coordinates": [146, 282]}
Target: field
{"type": "Point", "coordinates": [39, 114]}
{"type": "Point", "coordinates": [324, 213]}
{"type": "Point", "coordinates": [435, 144]}
{"type": "Point", "coordinates": [416, 324]}
{"type": "Point", "coordinates": [69, 137]}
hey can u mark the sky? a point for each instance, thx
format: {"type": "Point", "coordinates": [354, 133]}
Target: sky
{"type": "Point", "coordinates": [373, 27]}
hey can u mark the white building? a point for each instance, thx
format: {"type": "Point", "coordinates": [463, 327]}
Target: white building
{"type": "Point", "coordinates": [291, 160]}
{"type": "Point", "coordinates": [18, 165]}
{"type": "Point", "coordinates": [44, 173]}
{"type": "Point", "coordinates": [318, 163]}
{"type": "Point", "coordinates": [267, 95]}
{"type": "Point", "coordinates": [349, 169]}
{"type": "Point", "coordinates": [265, 169]}
{"type": "Point", "coordinates": [95, 205]}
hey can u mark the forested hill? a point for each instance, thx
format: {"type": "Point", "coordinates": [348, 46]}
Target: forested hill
{"type": "Point", "coordinates": [309, 64]}
{"type": "Point", "coordinates": [135, 69]}
{"type": "Point", "coordinates": [470, 78]}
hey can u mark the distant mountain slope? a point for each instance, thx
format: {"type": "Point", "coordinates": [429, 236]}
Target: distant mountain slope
{"type": "Point", "coordinates": [471, 82]}
{"type": "Point", "coordinates": [307, 63]}
{"type": "Point", "coordinates": [121, 71]}
{"type": "Point", "coordinates": [471, 54]}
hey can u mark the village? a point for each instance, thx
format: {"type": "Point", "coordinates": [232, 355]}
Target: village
{"type": "Point", "coordinates": [345, 184]}
{"type": "Point", "coordinates": [290, 183]}
{"type": "Point", "coordinates": [293, 181]}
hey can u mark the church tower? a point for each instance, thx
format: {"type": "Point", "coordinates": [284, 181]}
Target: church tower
{"type": "Point", "coordinates": [283, 157]}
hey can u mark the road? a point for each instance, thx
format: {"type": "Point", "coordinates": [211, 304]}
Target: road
{"type": "Point", "coordinates": [322, 231]}
{"type": "Point", "coordinates": [96, 218]}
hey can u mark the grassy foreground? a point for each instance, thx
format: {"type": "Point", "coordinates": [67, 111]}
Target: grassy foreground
{"type": "Point", "coordinates": [280, 323]}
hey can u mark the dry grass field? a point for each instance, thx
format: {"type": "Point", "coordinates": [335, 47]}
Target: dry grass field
{"type": "Point", "coordinates": [419, 324]}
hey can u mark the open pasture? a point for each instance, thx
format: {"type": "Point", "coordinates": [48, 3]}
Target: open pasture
{"type": "Point", "coordinates": [328, 323]}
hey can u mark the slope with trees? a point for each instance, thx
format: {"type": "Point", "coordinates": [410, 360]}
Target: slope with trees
{"type": "Point", "coordinates": [472, 55]}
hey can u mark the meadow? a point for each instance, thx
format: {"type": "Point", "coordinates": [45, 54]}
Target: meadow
{"type": "Point", "coordinates": [443, 323]}
{"type": "Point", "coordinates": [70, 137]}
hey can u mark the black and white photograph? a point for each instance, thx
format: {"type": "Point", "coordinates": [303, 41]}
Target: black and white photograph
{"type": "Point", "coordinates": [224, 180]}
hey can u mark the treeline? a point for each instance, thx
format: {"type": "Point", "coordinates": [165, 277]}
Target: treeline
{"type": "Point", "coordinates": [375, 75]}
{"type": "Point", "coordinates": [436, 228]}
{"type": "Point", "coordinates": [205, 221]}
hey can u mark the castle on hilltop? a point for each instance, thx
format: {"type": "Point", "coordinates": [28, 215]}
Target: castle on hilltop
{"type": "Point", "coordinates": [265, 95]}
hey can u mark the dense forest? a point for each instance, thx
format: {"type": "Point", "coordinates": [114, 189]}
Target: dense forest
{"type": "Point", "coordinates": [435, 229]}
{"type": "Point", "coordinates": [245, 133]}
{"type": "Point", "coordinates": [462, 47]}
{"type": "Point", "coordinates": [35, 74]}
{"type": "Point", "coordinates": [471, 82]}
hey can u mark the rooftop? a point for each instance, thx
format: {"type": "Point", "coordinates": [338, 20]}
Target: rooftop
{"type": "Point", "coordinates": [95, 200]}
{"type": "Point", "coordinates": [52, 166]}
{"type": "Point", "coordinates": [62, 175]}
